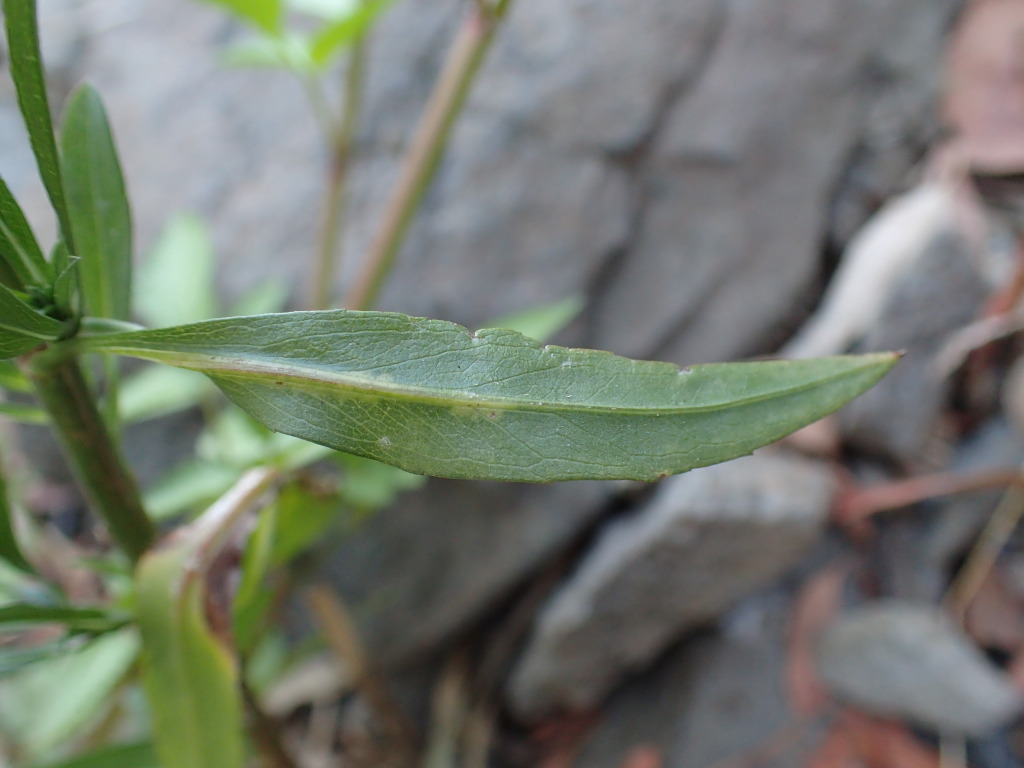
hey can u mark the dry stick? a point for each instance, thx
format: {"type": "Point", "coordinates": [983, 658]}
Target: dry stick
{"type": "Point", "coordinates": [341, 139]}
{"type": "Point", "coordinates": [337, 625]}
{"type": "Point", "coordinates": [985, 552]}
{"type": "Point", "coordinates": [428, 145]}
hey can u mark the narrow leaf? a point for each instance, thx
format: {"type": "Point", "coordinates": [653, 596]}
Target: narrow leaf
{"type": "Point", "coordinates": [98, 206]}
{"type": "Point", "coordinates": [175, 283]}
{"type": "Point", "coordinates": [158, 391]}
{"type": "Point", "coordinates": [74, 690]}
{"type": "Point", "coordinates": [140, 755]}
{"type": "Point", "coordinates": [22, 328]}
{"type": "Point", "coordinates": [26, 63]}
{"type": "Point", "coordinates": [10, 549]}
{"type": "Point", "coordinates": [263, 14]}
{"type": "Point", "coordinates": [541, 322]}
{"type": "Point", "coordinates": [18, 246]}
{"type": "Point", "coordinates": [433, 398]}
{"type": "Point", "coordinates": [11, 377]}
{"type": "Point", "coordinates": [335, 36]}
{"type": "Point", "coordinates": [23, 414]}
{"type": "Point", "coordinates": [95, 620]}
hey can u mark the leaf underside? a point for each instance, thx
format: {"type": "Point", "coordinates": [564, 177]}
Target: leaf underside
{"type": "Point", "coordinates": [433, 398]}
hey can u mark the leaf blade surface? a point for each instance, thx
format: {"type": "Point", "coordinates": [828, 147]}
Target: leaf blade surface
{"type": "Point", "coordinates": [432, 398]}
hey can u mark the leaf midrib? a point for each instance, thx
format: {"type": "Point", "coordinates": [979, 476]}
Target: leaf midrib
{"type": "Point", "coordinates": [223, 366]}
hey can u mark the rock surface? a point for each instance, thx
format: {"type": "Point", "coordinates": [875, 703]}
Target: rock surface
{"type": "Point", "coordinates": [708, 538]}
{"type": "Point", "coordinates": [899, 659]}
{"type": "Point", "coordinates": [711, 700]}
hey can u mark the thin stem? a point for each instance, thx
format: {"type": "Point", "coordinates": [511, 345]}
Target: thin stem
{"type": "Point", "coordinates": [464, 59]}
{"type": "Point", "coordinates": [340, 138]}
{"type": "Point", "coordinates": [106, 480]}
{"type": "Point", "coordinates": [975, 570]}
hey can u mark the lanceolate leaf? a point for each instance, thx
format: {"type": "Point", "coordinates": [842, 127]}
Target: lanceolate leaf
{"type": "Point", "coordinates": [92, 620]}
{"type": "Point", "coordinates": [21, 327]}
{"type": "Point", "coordinates": [18, 246]}
{"type": "Point", "coordinates": [100, 216]}
{"type": "Point", "coordinates": [263, 14]}
{"type": "Point", "coordinates": [27, 72]}
{"type": "Point", "coordinates": [10, 550]}
{"type": "Point", "coordinates": [334, 36]}
{"type": "Point", "coordinates": [433, 398]}
{"type": "Point", "coordinates": [139, 755]}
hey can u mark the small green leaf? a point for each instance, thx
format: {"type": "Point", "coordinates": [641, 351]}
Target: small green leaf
{"type": "Point", "coordinates": [10, 549]}
{"type": "Point", "coordinates": [345, 31]}
{"type": "Point", "coordinates": [76, 619]}
{"type": "Point", "coordinates": [18, 246]}
{"type": "Point", "coordinates": [23, 414]}
{"type": "Point", "coordinates": [66, 287]}
{"type": "Point", "coordinates": [175, 282]}
{"type": "Point", "coordinates": [158, 391]}
{"type": "Point", "coordinates": [74, 690]}
{"type": "Point", "coordinates": [22, 328]}
{"type": "Point", "coordinates": [289, 52]}
{"type": "Point", "coordinates": [15, 659]}
{"type": "Point", "coordinates": [187, 487]}
{"type": "Point", "coordinates": [140, 755]}
{"type": "Point", "coordinates": [432, 398]}
{"type": "Point", "coordinates": [26, 64]}
{"type": "Point", "coordinates": [541, 322]}
{"type": "Point", "coordinates": [263, 14]}
{"type": "Point", "coordinates": [100, 215]}
{"type": "Point", "coordinates": [266, 298]}
{"type": "Point", "coordinates": [11, 377]}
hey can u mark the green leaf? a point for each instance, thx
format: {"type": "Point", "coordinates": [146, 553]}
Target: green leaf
{"type": "Point", "coordinates": [288, 52]}
{"type": "Point", "coordinates": [345, 31]}
{"type": "Point", "coordinates": [100, 215]}
{"type": "Point", "coordinates": [18, 246]}
{"type": "Point", "coordinates": [10, 549]}
{"type": "Point", "coordinates": [22, 328]}
{"type": "Point", "coordinates": [74, 690]}
{"type": "Point", "coordinates": [158, 391]}
{"type": "Point", "coordinates": [190, 674]}
{"type": "Point", "coordinates": [66, 289]}
{"type": "Point", "coordinates": [263, 14]}
{"type": "Point", "coordinates": [325, 9]}
{"type": "Point", "coordinates": [541, 322]}
{"type": "Point", "coordinates": [270, 296]}
{"type": "Point", "coordinates": [140, 755]}
{"type": "Point", "coordinates": [175, 283]}
{"type": "Point", "coordinates": [23, 414]}
{"type": "Point", "coordinates": [11, 377]}
{"type": "Point", "coordinates": [15, 659]}
{"type": "Point", "coordinates": [26, 64]}
{"type": "Point", "coordinates": [433, 398]}
{"type": "Point", "coordinates": [76, 619]}
{"type": "Point", "coordinates": [187, 487]}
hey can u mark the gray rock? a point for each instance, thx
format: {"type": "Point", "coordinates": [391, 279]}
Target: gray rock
{"type": "Point", "coordinates": [707, 538]}
{"type": "Point", "coordinates": [900, 417]}
{"type": "Point", "coordinates": [907, 660]}
{"type": "Point", "coordinates": [417, 574]}
{"type": "Point", "coordinates": [732, 676]}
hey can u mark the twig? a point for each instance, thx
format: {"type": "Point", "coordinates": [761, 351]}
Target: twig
{"type": "Point", "coordinates": [464, 59]}
{"type": "Point", "coordinates": [340, 138]}
{"type": "Point", "coordinates": [986, 550]}
{"type": "Point", "coordinates": [335, 622]}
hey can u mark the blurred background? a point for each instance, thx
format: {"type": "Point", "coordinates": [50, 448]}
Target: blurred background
{"type": "Point", "coordinates": [707, 180]}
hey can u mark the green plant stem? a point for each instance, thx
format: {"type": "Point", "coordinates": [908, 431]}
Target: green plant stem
{"type": "Point", "coordinates": [340, 138]}
{"type": "Point", "coordinates": [107, 482]}
{"type": "Point", "coordinates": [449, 97]}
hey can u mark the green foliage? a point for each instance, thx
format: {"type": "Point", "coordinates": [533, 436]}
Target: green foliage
{"type": "Point", "coordinates": [433, 398]}
{"type": "Point", "coordinates": [97, 205]}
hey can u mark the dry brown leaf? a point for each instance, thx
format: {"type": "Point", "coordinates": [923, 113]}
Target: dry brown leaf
{"type": "Point", "coordinates": [985, 86]}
